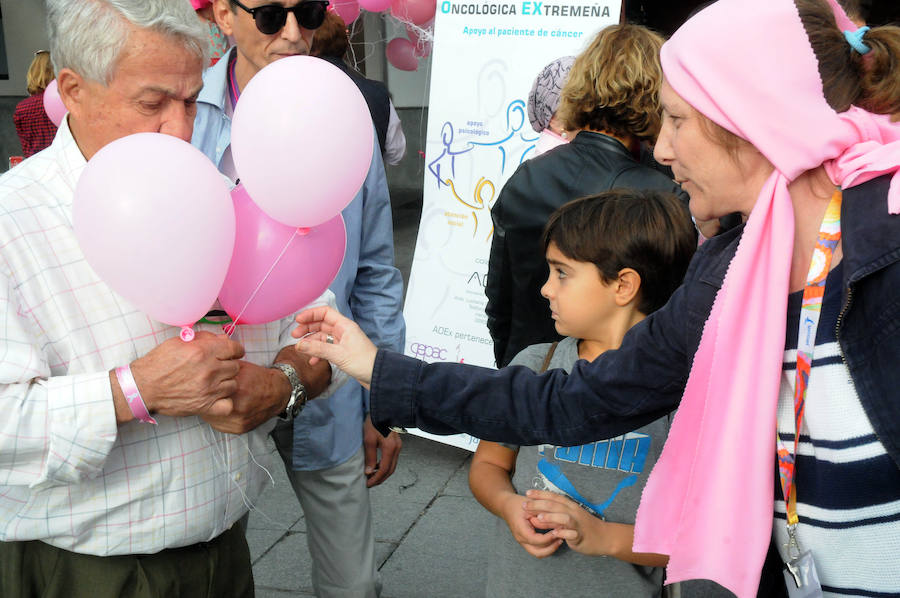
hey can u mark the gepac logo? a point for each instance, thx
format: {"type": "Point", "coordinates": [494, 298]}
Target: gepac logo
{"type": "Point", "coordinates": [423, 351]}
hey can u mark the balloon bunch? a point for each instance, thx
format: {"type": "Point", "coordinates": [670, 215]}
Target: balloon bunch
{"type": "Point", "coordinates": [418, 16]}
{"type": "Point", "coordinates": [157, 222]}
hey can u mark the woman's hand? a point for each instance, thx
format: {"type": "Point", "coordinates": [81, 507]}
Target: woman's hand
{"type": "Point", "coordinates": [326, 334]}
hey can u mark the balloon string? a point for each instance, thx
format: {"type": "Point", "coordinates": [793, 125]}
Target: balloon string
{"type": "Point", "coordinates": [229, 330]}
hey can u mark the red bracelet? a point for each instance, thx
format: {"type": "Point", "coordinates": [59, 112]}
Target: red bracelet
{"type": "Point", "coordinates": [133, 395]}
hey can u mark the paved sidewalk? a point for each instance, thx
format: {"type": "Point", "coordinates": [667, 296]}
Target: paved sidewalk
{"type": "Point", "coordinates": [430, 532]}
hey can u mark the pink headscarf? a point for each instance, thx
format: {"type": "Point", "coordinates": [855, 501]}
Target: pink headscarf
{"type": "Point", "coordinates": [198, 4]}
{"type": "Point", "coordinates": [748, 66]}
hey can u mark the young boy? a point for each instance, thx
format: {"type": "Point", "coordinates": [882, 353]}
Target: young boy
{"type": "Point", "coordinates": [614, 258]}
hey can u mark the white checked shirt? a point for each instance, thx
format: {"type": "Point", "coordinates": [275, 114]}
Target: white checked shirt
{"type": "Point", "coordinates": [68, 475]}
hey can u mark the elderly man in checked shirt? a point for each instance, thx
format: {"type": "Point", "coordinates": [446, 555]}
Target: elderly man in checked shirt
{"type": "Point", "coordinates": [95, 498]}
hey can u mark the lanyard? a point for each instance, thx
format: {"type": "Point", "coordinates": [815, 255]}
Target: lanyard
{"type": "Point", "coordinates": [810, 310]}
{"type": "Point", "coordinates": [233, 92]}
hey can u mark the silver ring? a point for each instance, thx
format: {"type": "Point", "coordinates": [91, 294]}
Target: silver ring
{"type": "Point", "coordinates": [329, 339]}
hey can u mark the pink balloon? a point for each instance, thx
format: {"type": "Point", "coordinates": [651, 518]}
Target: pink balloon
{"type": "Point", "coordinates": [348, 10]}
{"type": "Point", "coordinates": [402, 54]}
{"type": "Point", "coordinates": [293, 277]}
{"type": "Point", "coordinates": [302, 140]}
{"type": "Point", "coordinates": [417, 12]}
{"type": "Point", "coordinates": [53, 104]}
{"type": "Point", "coordinates": [375, 5]}
{"type": "Point", "coordinates": [155, 221]}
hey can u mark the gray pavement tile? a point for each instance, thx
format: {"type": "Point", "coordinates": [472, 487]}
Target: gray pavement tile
{"type": "Point", "coordinates": [286, 566]}
{"type": "Point", "coordinates": [261, 540]}
{"type": "Point", "coordinates": [459, 483]}
{"type": "Point", "coordinates": [392, 516]}
{"type": "Point", "coordinates": [383, 551]}
{"type": "Point", "coordinates": [445, 549]}
{"type": "Point", "coordinates": [423, 469]}
{"type": "Point", "coordinates": [422, 474]}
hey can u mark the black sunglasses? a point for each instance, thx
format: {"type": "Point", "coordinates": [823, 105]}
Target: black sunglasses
{"type": "Point", "coordinates": [271, 18]}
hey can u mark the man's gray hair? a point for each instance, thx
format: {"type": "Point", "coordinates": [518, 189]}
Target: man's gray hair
{"type": "Point", "coordinates": [88, 36]}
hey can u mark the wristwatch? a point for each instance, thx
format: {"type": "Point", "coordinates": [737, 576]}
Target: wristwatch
{"type": "Point", "coordinates": [298, 398]}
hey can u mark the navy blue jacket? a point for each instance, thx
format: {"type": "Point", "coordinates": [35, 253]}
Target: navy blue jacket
{"type": "Point", "coordinates": [643, 380]}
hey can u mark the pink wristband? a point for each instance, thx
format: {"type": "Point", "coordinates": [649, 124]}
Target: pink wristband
{"type": "Point", "coordinates": [133, 395]}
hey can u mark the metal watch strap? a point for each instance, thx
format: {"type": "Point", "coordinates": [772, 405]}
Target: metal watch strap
{"type": "Point", "coordinates": [298, 397]}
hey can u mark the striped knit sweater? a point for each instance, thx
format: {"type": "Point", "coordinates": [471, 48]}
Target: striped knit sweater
{"type": "Point", "coordinates": [848, 488]}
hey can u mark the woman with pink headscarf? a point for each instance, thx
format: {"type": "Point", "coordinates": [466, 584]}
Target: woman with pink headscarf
{"type": "Point", "coordinates": [780, 350]}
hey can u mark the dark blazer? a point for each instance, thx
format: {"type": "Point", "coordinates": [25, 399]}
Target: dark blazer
{"type": "Point", "coordinates": [517, 315]}
{"type": "Point", "coordinates": [377, 98]}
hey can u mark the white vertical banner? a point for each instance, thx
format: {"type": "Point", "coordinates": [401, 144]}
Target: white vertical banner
{"type": "Point", "coordinates": [485, 58]}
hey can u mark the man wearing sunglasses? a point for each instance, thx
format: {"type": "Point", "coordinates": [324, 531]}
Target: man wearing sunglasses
{"type": "Point", "coordinates": [330, 451]}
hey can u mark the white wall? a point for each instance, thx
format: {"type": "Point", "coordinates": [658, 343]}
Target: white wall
{"type": "Point", "coordinates": [25, 32]}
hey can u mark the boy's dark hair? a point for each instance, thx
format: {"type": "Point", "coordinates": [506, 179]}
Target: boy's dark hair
{"type": "Point", "coordinates": [649, 231]}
